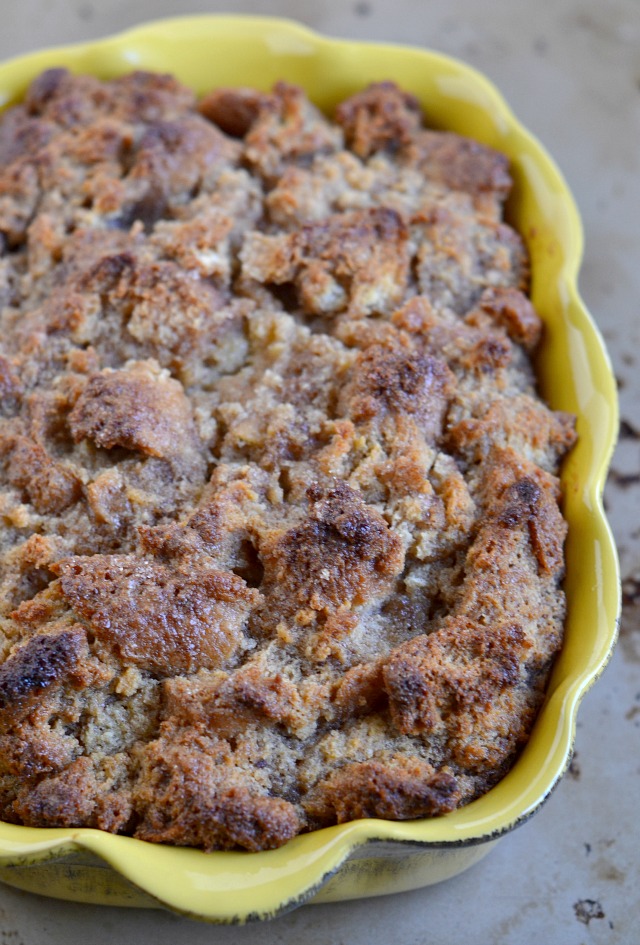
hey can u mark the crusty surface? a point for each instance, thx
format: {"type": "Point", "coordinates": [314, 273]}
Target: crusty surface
{"type": "Point", "coordinates": [281, 543]}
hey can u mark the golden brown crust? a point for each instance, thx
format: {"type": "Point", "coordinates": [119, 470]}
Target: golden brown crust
{"type": "Point", "coordinates": [233, 110]}
{"type": "Point", "coordinates": [68, 99]}
{"type": "Point", "coordinates": [357, 261]}
{"type": "Point", "coordinates": [78, 796]}
{"type": "Point", "coordinates": [281, 538]}
{"type": "Point", "coordinates": [460, 256]}
{"type": "Point", "coordinates": [154, 617]}
{"type": "Point", "coordinates": [171, 157]}
{"type": "Point", "coordinates": [359, 691]}
{"type": "Point", "coordinates": [512, 309]}
{"type": "Point", "coordinates": [227, 704]}
{"type": "Point", "coordinates": [393, 377]}
{"type": "Point", "coordinates": [287, 129]}
{"type": "Point", "coordinates": [523, 421]}
{"type": "Point", "coordinates": [342, 554]}
{"type": "Point", "coordinates": [460, 163]}
{"type": "Point", "coordinates": [190, 796]}
{"type": "Point", "coordinates": [431, 679]}
{"type": "Point", "coordinates": [49, 485]}
{"type": "Point", "coordinates": [397, 789]}
{"type": "Point", "coordinates": [382, 116]}
{"type": "Point", "coordinates": [138, 409]}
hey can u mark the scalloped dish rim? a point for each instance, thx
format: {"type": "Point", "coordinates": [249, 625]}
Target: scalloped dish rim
{"type": "Point", "coordinates": [575, 375]}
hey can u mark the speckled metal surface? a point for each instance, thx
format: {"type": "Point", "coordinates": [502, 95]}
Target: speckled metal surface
{"type": "Point", "coordinates": [571, 70]}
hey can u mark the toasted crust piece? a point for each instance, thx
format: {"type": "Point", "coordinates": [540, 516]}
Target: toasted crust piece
{"type": "Point", "coordinates": [452, 670]}
{"type": "Point", "coordinates": [513, 310]}
{"type": "Point", "coordinates": [139, 409]}
{"type": "Point", "coordinates": [233, 110]}
{"type": "Point", "coordinates": [188, 795]}
{"type": "Point", "coordinates": [460, 164]}
{"type": "Point", "coordinates": [382, 116]}
{"type": "Point", "coordinates": [42, 662]}
{"type": "Point", "coordinates": [287, 129]}
{"type": "Point", "coordinates": [81, 795]}
{"type": "Point", "coordinates": [156, 618]}
{"type": "Point", "coordinates": [356, 262]}
{"type": "Point", "coordinates": [394, 378]}
{"type": "Point", "coordinates": [341, 555]}
{"type": "Point", "coordinates": [397, 789]}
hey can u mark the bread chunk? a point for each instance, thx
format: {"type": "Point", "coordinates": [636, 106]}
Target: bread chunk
{"type": "Point", "coordinates": [139, 409]}
{"type": "Point", "coordinates": [357, 262]}
{"type": "Point", "coordinates": [281, 537]}
{"type": "Point", "coordinates": [156, 618]}
{"type": "Point", "coordinates": [398, 789]}
{"type": "Point", "coordinates": [42, 662]}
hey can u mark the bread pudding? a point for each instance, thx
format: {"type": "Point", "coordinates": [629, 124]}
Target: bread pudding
{"type": "Point", "coordinates": [281, 543]}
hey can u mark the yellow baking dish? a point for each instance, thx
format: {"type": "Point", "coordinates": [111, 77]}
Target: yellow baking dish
{"type": "Point", "coordinates": [371, 857]}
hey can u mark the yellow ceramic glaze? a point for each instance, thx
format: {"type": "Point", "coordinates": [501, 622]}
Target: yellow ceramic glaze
{"type": "Point", "coordinates": [371, 857]}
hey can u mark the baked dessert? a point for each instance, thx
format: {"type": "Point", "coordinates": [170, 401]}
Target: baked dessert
{"type": "Point", "coordinates": [281, 538]}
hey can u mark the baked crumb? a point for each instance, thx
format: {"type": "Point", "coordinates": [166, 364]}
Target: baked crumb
{"type": "Point", "coordinates": [281, 539]}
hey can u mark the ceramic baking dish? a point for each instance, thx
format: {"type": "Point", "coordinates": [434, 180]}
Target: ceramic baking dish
{"type": "Point", "coordinates": [371, 857]}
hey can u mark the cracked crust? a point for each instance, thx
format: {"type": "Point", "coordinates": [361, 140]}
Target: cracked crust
{"type": "Point", "coordinates": [281, 539]}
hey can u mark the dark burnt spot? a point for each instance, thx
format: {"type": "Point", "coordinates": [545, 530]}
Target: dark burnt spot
{"type": "Point", "coordinates": [522, 498]}
{"type": "Point", "coordinates": [107, 272]}
{"type": "Point", "coordinates": [527, 491]}
{"type": "Point", "coordinates": [43, 661]}
{"type": "Point", "coordinates": [234, 111]}
{"type": "Point", "coordinates": [512, 516]}
{"type": "Point", "coordinates": [148, 209]}
{"type": "Point", "coordinates": [43, 89]}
